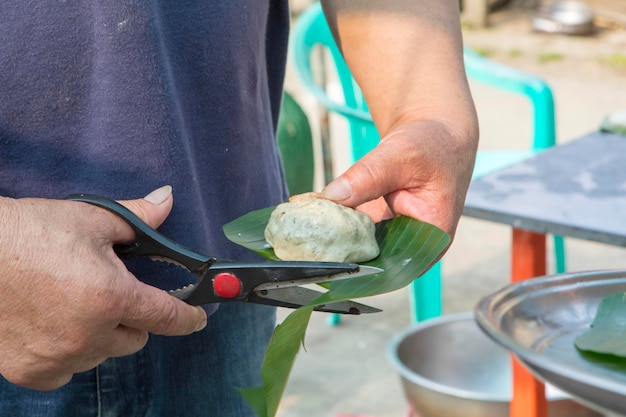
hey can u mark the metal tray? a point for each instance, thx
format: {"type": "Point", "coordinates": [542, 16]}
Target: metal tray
{"type": "Point", "coordinates": [538, 321]}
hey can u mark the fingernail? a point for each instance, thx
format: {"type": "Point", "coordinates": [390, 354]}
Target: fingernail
{"type": "Point", "coordinates": [338, 190]}
{"type": "Point", "coordinates": [159, 195]}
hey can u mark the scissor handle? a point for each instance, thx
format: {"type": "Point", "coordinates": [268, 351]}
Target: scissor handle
{"type": "Point", "coordinates": [147, 242]}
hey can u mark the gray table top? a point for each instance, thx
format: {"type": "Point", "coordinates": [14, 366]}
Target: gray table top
{"type": "Point", "coordinates": [577, 189]}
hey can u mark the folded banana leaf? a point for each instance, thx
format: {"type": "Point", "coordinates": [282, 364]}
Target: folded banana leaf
{"type": "Point", "coordinates": [407, 249]}
{"type": "Point", "coordinates": [607, 335]}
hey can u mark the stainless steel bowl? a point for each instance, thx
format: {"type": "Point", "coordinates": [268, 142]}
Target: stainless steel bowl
{"type": "Point", "coordinates": [568, 17]}
{"type": "Point", "coordinates": [450, 368]}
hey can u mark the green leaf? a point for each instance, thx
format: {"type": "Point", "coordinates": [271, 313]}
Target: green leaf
{"type": "Point", "coordinates": [295, 141]}
{"type": "Point", "coordinates": [255, 396]}
{"type": "Point", "coordinates": [407, 249]}
{"type": "Point", "coordinates": [249, 231]}
{"type": "Point", "coordinates": [607, 334]}
{"type": "Point", "coordinates": [282, 351]}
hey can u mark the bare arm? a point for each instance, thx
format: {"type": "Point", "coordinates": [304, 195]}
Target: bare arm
{"type": "Point", "coordinates": [407, 56]}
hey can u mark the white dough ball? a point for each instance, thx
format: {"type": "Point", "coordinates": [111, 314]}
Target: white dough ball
{"type": "Point", "coordinates": [310, 228]}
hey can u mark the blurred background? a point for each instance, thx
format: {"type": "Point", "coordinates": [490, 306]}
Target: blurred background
{"type": "Point", "coordinates": [345, 369]}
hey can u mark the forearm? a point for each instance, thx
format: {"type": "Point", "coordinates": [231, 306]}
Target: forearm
{"type": "Point", "coordinates": [407, 56]}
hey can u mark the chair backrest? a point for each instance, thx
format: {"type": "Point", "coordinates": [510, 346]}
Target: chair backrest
{"type": "Point", "coordinates": [311, 30]}
{"type": "Point", "coordinates": [510, 79]}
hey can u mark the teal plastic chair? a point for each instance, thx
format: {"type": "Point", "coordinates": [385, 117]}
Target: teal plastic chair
{"type": "Point", "coordinates": [311, 31]}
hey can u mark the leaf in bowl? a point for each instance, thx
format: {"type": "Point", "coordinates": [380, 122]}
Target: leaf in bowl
{"type": "Point", "coordinates": [408, 248]}
{"type": "Point", "coordinates": [607, 334]}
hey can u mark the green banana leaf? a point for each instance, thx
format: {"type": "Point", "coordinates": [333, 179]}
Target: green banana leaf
{"type": "Point", "coordinates": [295, 141]}
{"type": "Point", "coordinates": [607, 335]}
{"type": "Point", "coordinates": [407, 249]}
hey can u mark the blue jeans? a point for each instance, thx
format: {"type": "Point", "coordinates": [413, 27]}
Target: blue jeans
{"type": "Point", "coordinates": [189, 376]}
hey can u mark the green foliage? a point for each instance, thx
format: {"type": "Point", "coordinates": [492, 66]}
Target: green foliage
{"type": "Point", "coordinates": [408, 248]}
{"type": "Point", "coordinates": [607, 335]}
{"type": "Point", "coordinates": [547, 57]}
{"type": "Point", "coordinates": [295, 142]}
{"type": "Point", "coordinates": [485, 52]}
{"type": "Point", "coordinates": [515, 53]}
{"type": "Point", "coordinates": [281, 354]}
{"type": "Point", "coordinates": [617, 61]}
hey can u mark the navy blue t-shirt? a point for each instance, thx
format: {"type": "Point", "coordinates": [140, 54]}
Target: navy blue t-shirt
{"type": "Point", "coordinates": [118, 98]}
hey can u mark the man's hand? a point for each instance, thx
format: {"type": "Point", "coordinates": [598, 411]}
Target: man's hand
{"type": "Point", "coordinates": [421, 169]}
{"type": "Point", "coordinates": [67, 302]}
{"type": "Point", "coordinates": [407, 56]}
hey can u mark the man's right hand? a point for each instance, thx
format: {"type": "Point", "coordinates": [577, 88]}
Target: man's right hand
{"type": "Point", "coordinates": [67, 302]}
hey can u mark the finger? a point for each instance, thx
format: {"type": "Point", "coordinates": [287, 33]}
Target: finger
{"type": "Point", "coordinates": [155, 311]}
{"type": "Point", "coordinates": [151, 309]}
{"type": "Point", "coordinates": [378, 209]}
{"type": "Point", "coordinates": [371, 176]}
{"type": "Point", "coordinates": [38, 382]}
{"type": "Point", "coordinates": [118, 342]}
{"type": "Point", "coordinates": [153, 208]}
{"type": "Point", "coordinates": [121, 341]}
{"type": "Point", "coordinates": [124, 341]}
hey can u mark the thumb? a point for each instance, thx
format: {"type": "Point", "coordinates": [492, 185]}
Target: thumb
{"type": "Point", "coordinates": [153, 208]}
{"type": "Point", "coordinates": [364, 181]}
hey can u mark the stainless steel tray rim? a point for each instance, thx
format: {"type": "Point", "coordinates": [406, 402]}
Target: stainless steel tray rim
{"type": "Point", "coordinates": [512, 292]}
{"type": "Point", "coordinates": [492, 308]}
{"type": "Point", "coordinates": [587, 403]}
{"type": "Point", "coordinates": [538, 360]}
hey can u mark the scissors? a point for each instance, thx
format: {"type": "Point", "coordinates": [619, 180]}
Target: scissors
{"type": "Point", "coordinates": [276, 283]}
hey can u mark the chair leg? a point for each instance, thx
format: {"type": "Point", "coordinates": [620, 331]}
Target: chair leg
{"type": "Point", "coordinates": [559, 254]}
{"type": "Point", "coordinates": [425, 295]}
{"type": "Point", "coordinates": [333, 319]}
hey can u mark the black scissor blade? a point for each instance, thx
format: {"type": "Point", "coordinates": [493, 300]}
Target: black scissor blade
{"type": "Point", "coordinates": [295, 297]}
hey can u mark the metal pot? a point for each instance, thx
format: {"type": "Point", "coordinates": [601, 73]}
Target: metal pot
{"type": "Point", "coordinates": [568, 17]}
{"type": "Point", "coordinates": [450, 368]}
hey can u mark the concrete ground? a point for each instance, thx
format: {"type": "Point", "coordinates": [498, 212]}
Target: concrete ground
{"type": "Point", "coordinates": [344, 369]}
